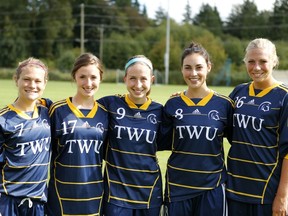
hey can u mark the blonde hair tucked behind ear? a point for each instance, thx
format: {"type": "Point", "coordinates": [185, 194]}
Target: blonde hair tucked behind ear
{"type": "Point", "coordinates": [263, 43]}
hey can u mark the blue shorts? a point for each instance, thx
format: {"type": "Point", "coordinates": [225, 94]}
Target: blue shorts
{"type": "Point", "coordinates": [236, 208]}
{"type": "Point", "coordinates": [15, 206]}
{"type": "Point", "coordinates": [113, 210]}
{"type": "Point", "coordinates": [212, 202]}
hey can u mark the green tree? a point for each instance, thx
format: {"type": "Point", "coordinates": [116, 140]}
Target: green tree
{"type": "Point", "coordinates": [52, 28]}
{"type": "Point", "coordinates": [122, 3]}
{"type": "Point", "coordinates": [14, 34]}
{"type": "Point", "coordinates": [153, 41]}
{"type": "Point", "coordinates": [279, 20]}
{"type": "Point", "coordinates": [187, 14]}
{"type": "Point", "coordinates": [160, 15]}
{"type": "Point", "coordinates": [118, 48]}
{"type": "Point", "coordinates": [12, 45]}
{"type": "Point", "coordinates": [234, 49]}
{"type": "Point", "coordinates": [209, 18]}
{"type": "Point", "coordinates": [245, 21]}
{"type": "Point", "coordinates": [104, 18]}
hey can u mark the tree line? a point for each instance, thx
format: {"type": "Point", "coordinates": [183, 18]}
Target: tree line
{"type": "Point", "coordinates": [119, 29]}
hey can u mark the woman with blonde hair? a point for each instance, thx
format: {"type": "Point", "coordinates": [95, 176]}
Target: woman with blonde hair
{"type": "Point", "coordinates": [258, 158]}
{"type": "Point", "coordinates": [25, 143]}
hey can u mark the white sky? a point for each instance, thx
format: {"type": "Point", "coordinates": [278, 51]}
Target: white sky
{"type": "Point", "coordinates": [176, 7]}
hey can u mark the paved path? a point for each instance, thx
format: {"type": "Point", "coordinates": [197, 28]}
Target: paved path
{"type": "Point", "coordinates": [281, 76]}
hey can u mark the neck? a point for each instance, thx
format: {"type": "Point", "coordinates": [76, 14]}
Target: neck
{"type": "Point", "coordinates": [137, 100]}
{"type": "Point", "coordinates": [264, 84]}
{"type": "Point", "coordinates": [83, 102]}
{"type": "Point", "coordinates": [25, 106]}
{"type": "Point", "coordinates": [197, 93]}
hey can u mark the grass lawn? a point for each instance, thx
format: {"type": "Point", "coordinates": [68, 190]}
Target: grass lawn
{"type": "Point", "coordinates": [60, 90]}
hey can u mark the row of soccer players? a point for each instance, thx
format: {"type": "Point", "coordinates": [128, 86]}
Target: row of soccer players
{"type": "Point", "coordinates": [127, 130]}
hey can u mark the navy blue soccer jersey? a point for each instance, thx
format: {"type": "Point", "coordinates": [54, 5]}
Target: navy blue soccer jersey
{"type": "Point", "coordinates": [259, 143]}
{"type": "Point", "coordinates": [194, 129]}
{"type": "Point", "coordinates": [25, 152]}
{"type": "Point", "coordinates": [78, 136]}
{"type": "Point", "coordinates": [133, 177]}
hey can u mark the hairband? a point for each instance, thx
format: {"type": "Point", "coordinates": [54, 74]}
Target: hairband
{"type": "Point", "coordinates": [139, 59]}
{"type": "Point", "coordinates": [32, 63]}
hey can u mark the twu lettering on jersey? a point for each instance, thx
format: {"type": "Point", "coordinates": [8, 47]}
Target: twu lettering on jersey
{"type": "Point", "coordinates": [36, 146]}
{"type": "Point", "coordinates": [245, 121]}
{"type": "Point", "coordinates": [83, 145]}
{"type": "Point", "coordinates": [196, 131]}
{"type": "Point", "coordinates": [135, 133]}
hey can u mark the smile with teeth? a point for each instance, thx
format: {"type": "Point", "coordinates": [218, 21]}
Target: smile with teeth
{"type": "Point", "coordinates": [88, 89]}
{"type": "Point", "coordinates": [137, 91]}
{"type": "Point", "coordinates": [194, 79]}
{"type": "Point", "coordinates": [31, 91]}
{"type": "Point", "coordinates": [257, 74]}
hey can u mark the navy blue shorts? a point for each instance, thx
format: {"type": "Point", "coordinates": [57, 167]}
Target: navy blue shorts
{"type": "Point", "coordinates": [113, 210]}
{"type": "Point", "coordinates": [212, 202]}
{"type": "Point", "coordinates": [15, 206]}
{"type": "Point", "coordinates": [236, 208]}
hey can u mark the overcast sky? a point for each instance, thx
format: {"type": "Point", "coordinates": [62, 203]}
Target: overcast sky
{"type": "Point", "coordinates": [176, 7]}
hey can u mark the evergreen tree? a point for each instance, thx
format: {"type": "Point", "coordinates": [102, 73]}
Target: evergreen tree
{"type": "Point", "coordinates": [188, 14]}
{"type": "Point", "coordinates": [209, 18]}
{"type": "Point", "coordinates": [279, 20]}
{"type": "Point", "coordinates": [160, 15]}
{"type": "Point", "coordinates": [245, 21]}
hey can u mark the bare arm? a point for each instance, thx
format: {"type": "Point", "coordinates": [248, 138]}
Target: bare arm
{"type": "Point", "coordinates": [280, 201]}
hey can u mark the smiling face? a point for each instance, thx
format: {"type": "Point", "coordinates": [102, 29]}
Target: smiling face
{"type": "Point", "coordinates": [259, 65]}
{"type": "Point", "coordinates": [31, 83]}
{"type": "Point", "coordinates": [138, 80]}
{"type": "Point", "coordinates": [87, 79]}
{"type": "Point", "coordinates": [195, 70]}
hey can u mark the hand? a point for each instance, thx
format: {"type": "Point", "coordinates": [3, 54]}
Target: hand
{"type": "Point", "coordinates": [279, 206]}
{"type": "Point", "coordinates": [175, 94]}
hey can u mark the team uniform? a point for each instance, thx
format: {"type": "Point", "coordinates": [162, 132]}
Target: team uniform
{"type": "Point", "coordinates": [259, 144]}
{"type": "Point", "coordinates": [78, 136]}
{"type": "Point", "coordinates": [132, 174]}
{"type": "Point", "coordinates": [24, 159]}
{"type": "Point", "coordinates": [193, 129]}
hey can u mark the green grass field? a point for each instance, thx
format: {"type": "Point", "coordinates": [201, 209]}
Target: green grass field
{"type": "Point", "coordinates": [60, 90]}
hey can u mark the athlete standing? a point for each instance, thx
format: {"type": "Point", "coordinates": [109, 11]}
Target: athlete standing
{"type": "Point", "coordinates": [133, 185]}
{"type": "Point", "coordinates": [194, 124]}
{"type": "Point", "coordinates": [79, 126]}
{"type": "Point", "coordinates": [25, 144]}
{"type": "Point", "coordinates": [259, 147]}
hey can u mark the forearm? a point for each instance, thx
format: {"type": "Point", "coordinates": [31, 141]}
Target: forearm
{"type": "Point", "coordinates": [283, 184]}
{"type": "Point", "coordinates": [280, 201]}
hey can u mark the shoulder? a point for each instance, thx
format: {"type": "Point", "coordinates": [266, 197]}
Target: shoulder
{"type": "Point", "coordinates": [109, 100]}
{"type": "Point", "coordinates": [241, 86]}
{"type": "Point", "coordinates": [46, 102]}
{"type": "Point", "coordinates": [111, 97]}
{"type": "Point", "coordinates": [101, 106]}
{"type": "Point", "coordinates": [156, 104]}
{"type": "Point", "coordinates": [174, 98]}
{"type": "Point", "coordinates": [283, 87]}
{"type": "Point", "coordinates": [224, 99]}
{"type": "Point", "coordinates": [56, 105]}
{"type": "Point", "coordinates": [238, 88]}
{"type": "Point", "coordinates": [4, 110]}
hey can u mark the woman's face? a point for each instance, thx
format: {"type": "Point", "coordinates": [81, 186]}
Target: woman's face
{"type": "Point", "coordinates": [138, 82]}
{"type": "Point", "coordinates": [31, 83]}
{"type": "Point", "coordinates": [87, 79]}
{"type": "Point", "coordinates": [259, 65]}
{"type": "Point", "coordinates": [195, 70]}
